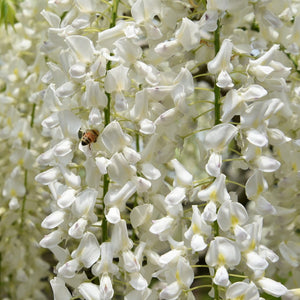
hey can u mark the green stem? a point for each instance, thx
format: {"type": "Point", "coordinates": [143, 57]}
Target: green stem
{"type": "Point", "coordinates": [104, 221]}
{"type": "Point", "coordinates": [0, 270]}
{"type": "Point", "coordinates": [137, 142]}
{"type": "Point", "coordinates": [107, 108]}
{"type": "Point", "coordinates": [114, 15]}
{"type": "Point", "coordinates": [200, 287]}
{"type": "Point", "coordinates": [217, 104]}
{"type": "Point", "coordinates": [26, 172]}
{"type": "Point", "coordinates": [217, 38]}
{"type": "Point", "coordinates": [217, 92]}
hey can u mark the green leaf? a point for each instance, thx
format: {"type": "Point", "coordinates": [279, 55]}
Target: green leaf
{"type": "Point", "coordinates": [7, 12]}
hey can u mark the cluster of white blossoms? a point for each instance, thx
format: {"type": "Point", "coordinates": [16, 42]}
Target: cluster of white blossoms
{"type": "Point", "coordinates": [157, 145]}
{"type": "Point", "coordinates": [22, 207]}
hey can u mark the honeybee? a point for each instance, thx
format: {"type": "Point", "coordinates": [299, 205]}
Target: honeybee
{"type": "Point", "coordinates": [88, 137]}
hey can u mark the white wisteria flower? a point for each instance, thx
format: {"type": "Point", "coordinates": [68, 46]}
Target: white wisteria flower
{"type": "Point", "coordinates": [149, 149]}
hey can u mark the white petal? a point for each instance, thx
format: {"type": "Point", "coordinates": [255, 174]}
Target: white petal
{"type": "Point", "coordinates": [69, 123]}
{"type": "Point", "coordinates": [51, 18]}
{"type": "Point", "coordinates": [52, 239]}
{"type": "Point", "coordinates": [67, 198]}
{"type": "Point", "coordinates": [120, 196]}
{"type": "Point", "coordinates": [71, 178]}
{"type": "Point", "coordinates": [63, 148]}
{"type": "Point", "coordinates": [261, 72]}
{"type": "Point", "coordinates": [60, 291]}
{"type": "Point", "coordinates": [140, 214]}
{"type": "Point", "coordinates": [150, 171]}
{"type": "Point", "coordinates": [84, 203]}
{"type": "Point", "coordinates": [167, 117]}
{"type": "Point", "coordinates": [172, 291]}
{"type": "Point", "coordinates": [113, 137]}
{"type": "Point", "coordinates": [267, 164]}
{"type": "Point", "coordinates": [142, 184]}
{"type": "Point", "coordinates": [176, 196]}
{"type": "Point", "coordinates": [221, 278]}
{"type": "Point", "coordinates": [288, 254]}
{"type": "Point", "coordinates": [185, 272]}
{"type": "Point", "coordinates": [198, 243]}
{"type": "Point", "coordinates": [169, 256]}
{"type": "Point", "coordinates": [224, 80]}
{"type": "Point", "coordinates": [220, 136]}
{"type": "Point", "coordinates": [224, 249]}
{"type": "Point", "coordinates": [94, 96]}
{"type": "Point", "coordinates": [167, 48]}
{"type": "Point", "coordinates": [53, 220]}
{"type": "Point", "coordinates": [232, 105]}
{"type": "Point", "coordinates": [240, 233]}
{"type": "Point", "coordinates": [69, 269]}
{"type": "Point", "coordinates": [66, 89]}
{"type": "Point", "coordinates": [137, 295]}
{"type": "Point", "coordinates": [188, 34]}
{"type": "Point", "coordinates": [14, 203]}
{"type": "Point", "coordinates": [78, 71]}
{"type": "Point", "coordinates": [264, 207]}
{"type": "Point", "coordinates": [224, 216]}
{"type": "Point", "coordinates": [253, 92]}
{"type": "Point", "coordinates": [257, 138]}
{"type": "Point", "coordinates": [87, 6]}
{"type": "Point", "coordinates": [113, 215]}
{"type": "Point", "coordinates": [48, 176]}
{"type": "Point", "coordinates": [102, 164]}
{"type": "Point", "coordinates": [255, 185]}
{"type": "Point", "coordinates": [183, 177]}
{"type": "Point", "coordinates": [138, 282]}
{"type": "Point", "coordinates": [116, 79]}
{"type": "Point", "coordinates": [78, 228]}
{"type": "Point", "coordinates": [119, 169]}
{"type": "Point", "coordinates": [107, 37]}
{"type": "Point", "coordinates": [147, 127]}
{"type": "Point", "coordinates": [82, 47]}
{"type": "Point", "coordinates": [131, 263]}
{"type": "Point", "coordinates": [222, 59]}
{"type": "Point", "coordinates": [272, 287]}
{"type": "Point", "coordinates": [242, 289]}
{"type": "Point", "coordinates": [106, 288]}
{"type": "Point", "coordinates": [268, 254]}
{"type": "Point", "coordinates": [51, 122]}
{"type": "Point", "coordinates": [131, 155]}
{"type": "Point", "coordinates": [256, 262]}
{"type": "Point", "coordinates": [161, 225]}
{"type": "Point", "coordinates": [88, 250]}
{"type": "Point", "coordinates": [277, 137]}
{"type": "Point", "coordinates": [210, 212]}
{"type": "Point", "coordinates": [89, 291]}
{"type": "Point", "coordinates": [214, 164]}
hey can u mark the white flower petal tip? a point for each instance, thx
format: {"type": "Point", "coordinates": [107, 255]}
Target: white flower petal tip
{"type": "Point", "coordinates": [220, 136]}
{"type": "Point", "coordinates": [138, 282]}
{"type": "Point", "coordinates": [53, 220]}
{"type": "Point", "coordinates": [82, 47]}
{"type": "Point", "coordinates": [183, 177]}
{"type": "Point", "coordinates": [113, 216]}
{"type": "Point", "coordinates": [272, 287]}
{"type": "Point", "coordinates": [150, 171]}
{"type": "Point", "coordinates": [48, 176]}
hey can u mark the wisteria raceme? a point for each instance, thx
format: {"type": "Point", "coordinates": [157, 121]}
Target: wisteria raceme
{"type": "Point", "coordinates": [155, 146]}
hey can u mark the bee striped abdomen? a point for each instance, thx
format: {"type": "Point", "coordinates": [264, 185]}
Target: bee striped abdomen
{"type": "Point", "coordinates": [90, 136]}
